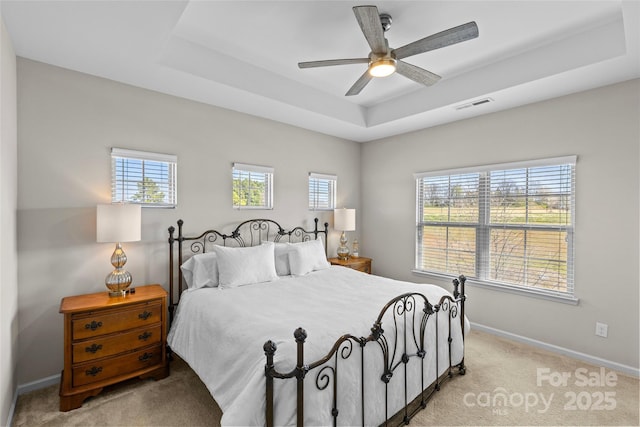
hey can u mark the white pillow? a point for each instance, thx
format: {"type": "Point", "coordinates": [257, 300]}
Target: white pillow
{"type": "Point", "coordinates": [245, 266]}
{"type": "Point", "coordinates": [282, 259]}
{"type": "Point", "coordinates": [201, 271]}
{"type": "Point", "coordinates": [306, 257]}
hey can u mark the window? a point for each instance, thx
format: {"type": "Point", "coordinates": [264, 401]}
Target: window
{"type": "Point", "coordinates": [142, 177]}
{"type": "Point", "coordinates": [252, 186]}
{"type": "Point", "coordinates": [508, 225]}
{"type": "Point", "coordinates": [322, 191]}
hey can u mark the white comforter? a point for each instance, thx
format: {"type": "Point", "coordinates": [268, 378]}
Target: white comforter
{"type": "Point", "coordinates": [220, 334]}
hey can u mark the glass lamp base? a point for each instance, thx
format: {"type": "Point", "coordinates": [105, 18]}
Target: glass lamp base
{"type": "Point", "coordinates": [343, 250]}
{"type": "Point", "coordinates": [119, 279]}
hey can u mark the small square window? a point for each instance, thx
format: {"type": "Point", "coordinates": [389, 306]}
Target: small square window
{"type": "Point", "coordinates": [149, 179]}
{"type": "Point", "coordinates": [252, 186]}
{"type": "Point", "coordinates": [322, 191]}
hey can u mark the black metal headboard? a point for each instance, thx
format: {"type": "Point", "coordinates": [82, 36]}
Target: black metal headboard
{"type": "Point", "coordinates": [248, 233]}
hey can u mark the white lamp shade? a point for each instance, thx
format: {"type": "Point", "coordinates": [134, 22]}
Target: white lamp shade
{"type": "Point", "coordinates": [344, 219]}
{"type": "Point", "coordinates": [118, 223]}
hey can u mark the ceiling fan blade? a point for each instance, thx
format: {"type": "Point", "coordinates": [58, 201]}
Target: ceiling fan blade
{"type": "Point", "coordinates": [330, 62]}
{"type": "Point", "coordinates": [444, 38]}
{"type": "Point", "coordinates": [416, 74]}
{"type": "Point", "coordinates": [369, 21]}
{"type": "Point", "coordinates": [359, 84]}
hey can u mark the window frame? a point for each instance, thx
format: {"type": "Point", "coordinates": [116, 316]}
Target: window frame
{"type": "Point", "coordinates": [315, 194]}
{"type": "Point", "coordinates": [118, 181]}
{"type": "Point", "coordinates": [267, 174]}
{"type": "Point", "coordinates": [484, 226]}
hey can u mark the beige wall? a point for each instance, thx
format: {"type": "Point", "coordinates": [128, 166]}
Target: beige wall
{"type": "Point", "coordinates": [8, 204]}
{"type": "Point", "coordinates": [602, 128]}
{"type": "Point", "coordinates": [67, 123]}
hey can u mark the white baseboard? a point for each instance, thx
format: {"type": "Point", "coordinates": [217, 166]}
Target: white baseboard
{"type": "Point", "coordinates": [38, 384]}
{"type": "Point", "coordinates": [26, 388]}
{"type": "Point", "coordinates": [629, 370]}
{"type": "Point", "coordinates": [12, 409]}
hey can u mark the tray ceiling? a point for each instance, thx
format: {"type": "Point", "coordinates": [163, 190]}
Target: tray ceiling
{"type": "Point", "coordinates": [243, 55]}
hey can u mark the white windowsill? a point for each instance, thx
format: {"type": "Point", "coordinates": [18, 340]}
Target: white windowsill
{"type": "Point", "coordinates": [517, 290]}
{"type": "Point", "coordinates": [254, 208]}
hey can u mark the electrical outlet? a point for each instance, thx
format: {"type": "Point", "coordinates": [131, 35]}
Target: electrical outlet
{"type": "Point", "coordinates": [602, 329]}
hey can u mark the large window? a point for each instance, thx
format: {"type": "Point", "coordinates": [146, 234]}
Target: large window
{"type": "Point", "coordinates": [252, 186]}
{"type": "Point", "coordinates": [322, 191]}
{"type": "Point", "coordinates": [143, 177]}
{"type": "Point", "coordinates": [509, 225]}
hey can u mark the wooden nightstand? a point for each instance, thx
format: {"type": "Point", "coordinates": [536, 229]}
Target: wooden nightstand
{"type": "Point", "coordinates": [111, 339]}
{"type": "Point", "coordinates": [360, 263]}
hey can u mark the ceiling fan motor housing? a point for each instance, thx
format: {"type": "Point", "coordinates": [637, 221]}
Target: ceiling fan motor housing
{"type": "Point", "coordinates": [385, 20]}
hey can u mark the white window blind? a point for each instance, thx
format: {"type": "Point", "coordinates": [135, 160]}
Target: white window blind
{"type": "Point", "coordinates": [509, 224]}
{"type": "Point", "coordinates": [149, 179]}
{"type": "Point", "coordinates": [252, 186]}
{"type": "Point", "coordinates": [322, 191]}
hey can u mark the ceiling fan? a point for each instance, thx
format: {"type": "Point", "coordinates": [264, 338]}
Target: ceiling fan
{"type": "Point", "coordinates": [384, 61]}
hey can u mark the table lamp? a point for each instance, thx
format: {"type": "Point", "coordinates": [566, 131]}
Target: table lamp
{"type": "Point", "coordinates": [344, 220]}
{"type": "Point", "coordinates": [118, 223]}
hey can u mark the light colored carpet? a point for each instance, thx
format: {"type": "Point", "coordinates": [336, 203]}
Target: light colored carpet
{"type": "Point", "coordinates": [507, 383]}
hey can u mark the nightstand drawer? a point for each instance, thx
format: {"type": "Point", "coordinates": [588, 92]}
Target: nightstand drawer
{"type": "Point", "coordinates": [355, 263]}
{"type": "Point", "coordinates": [106, 322]}
{"type": "Point", "coordinates": [114, 344]}
{"type": "Point", "coordinates": [111, 367]}
{"type": "Point", "coordinates": [364, 266]}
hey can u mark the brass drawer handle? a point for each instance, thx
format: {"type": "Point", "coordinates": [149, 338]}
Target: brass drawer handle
{"type": "Point", "coordinates": [93, 349]}
{"type": "Point", "coordinates": [145, 336]}
{"type": "Point", "coordinates": [145, 357]}
{"type": "Point", "coordinates": [145, 315]}
{"type": "Point", "coordinates": [93, 325]}
{"type": "Point", "coordinates": [93, 371]}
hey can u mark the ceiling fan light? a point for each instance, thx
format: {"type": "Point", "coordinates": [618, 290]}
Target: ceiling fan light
{"type": "Point", "coordinates": [382, 67]}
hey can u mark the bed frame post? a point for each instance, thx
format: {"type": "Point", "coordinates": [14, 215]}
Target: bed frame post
{"type": "Point", "coordinates": [461, 296]}
{"type": "Point", "coordinates": [171, 306]}
{"type": "Point", "coordinates": [269, 350]}
{"type": "Point", "coordinates": [301, 370]}
{"type": "Point", "coordinates": [172, 239]}
{"type": "Point", "coordinates": [326, 238]}
{"type": "Point", "coordinates": [180, 239]}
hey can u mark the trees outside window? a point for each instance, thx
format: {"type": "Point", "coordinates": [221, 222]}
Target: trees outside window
{"type": "Point", "coordinates": [149, 179]}
{"type": "Point", "coordinates": [510, 225]}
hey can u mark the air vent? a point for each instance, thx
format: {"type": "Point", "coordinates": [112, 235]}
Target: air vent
{"type": "Point", "coordinates": [474, 103]}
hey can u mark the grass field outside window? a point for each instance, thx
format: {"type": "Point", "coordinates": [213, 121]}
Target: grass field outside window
{"type": "Point", "coordinates": [509, 226]}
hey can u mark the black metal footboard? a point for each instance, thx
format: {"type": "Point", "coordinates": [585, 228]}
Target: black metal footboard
{"type": "Point", "coordinates": [404, 342]}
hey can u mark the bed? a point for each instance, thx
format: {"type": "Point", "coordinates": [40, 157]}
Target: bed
{"type": "Point", "coordinates": [281, 337]}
